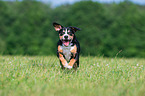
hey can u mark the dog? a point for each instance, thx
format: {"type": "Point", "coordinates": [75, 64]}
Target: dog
{"type": "Point", "coordinates": [68, 47]}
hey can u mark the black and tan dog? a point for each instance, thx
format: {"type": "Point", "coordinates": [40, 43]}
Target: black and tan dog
{"type": "Point", "coordinates": [68, 46]}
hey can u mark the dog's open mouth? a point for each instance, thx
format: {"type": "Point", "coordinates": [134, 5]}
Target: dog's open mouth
{"type": "Point", "coordinates": [66, 42]}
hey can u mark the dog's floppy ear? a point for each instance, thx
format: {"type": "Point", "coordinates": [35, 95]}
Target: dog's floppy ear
{"type": "Point", "coordinates": [75, 29]}
{"type": "Point", "coordinates": [57, 26]}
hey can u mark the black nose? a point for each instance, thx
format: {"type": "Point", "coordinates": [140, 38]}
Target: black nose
{"type": "Point", "coordinates": [65, 36]}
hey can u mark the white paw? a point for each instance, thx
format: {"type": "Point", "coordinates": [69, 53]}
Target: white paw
{"type": "Point", "coordinates": [66, 65]}
{"type": "Point", "coordinates": [69, 66]}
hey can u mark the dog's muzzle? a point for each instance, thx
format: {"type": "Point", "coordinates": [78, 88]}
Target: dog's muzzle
{"type": "Point", "coordinates": [66, 42]}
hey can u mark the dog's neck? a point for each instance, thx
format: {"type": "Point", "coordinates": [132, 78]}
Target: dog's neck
{"type": "Point", "coordinates": [67, 52]}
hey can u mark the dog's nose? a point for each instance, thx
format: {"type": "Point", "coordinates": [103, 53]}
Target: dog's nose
{"type": "Point", "coordinates": [65, 36]}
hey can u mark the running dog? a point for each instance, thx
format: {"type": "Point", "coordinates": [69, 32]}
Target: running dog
{"type": "Point", "coordinates": [68, 47]}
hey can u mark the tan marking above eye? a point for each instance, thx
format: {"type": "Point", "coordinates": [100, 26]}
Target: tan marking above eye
{"type": "Point", "coordinates": [68, 31]}
{"type": "Point", "coordinates": [63, 30]}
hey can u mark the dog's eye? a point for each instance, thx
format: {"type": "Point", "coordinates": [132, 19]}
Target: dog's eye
{"type": "Point", "coordinates": [62, 33]}
{"type": "Point", "coordinates": [70, 33]}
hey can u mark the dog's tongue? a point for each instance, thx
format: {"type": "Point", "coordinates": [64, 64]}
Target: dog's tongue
{"type": "Point", "coordinates": [66, 43]}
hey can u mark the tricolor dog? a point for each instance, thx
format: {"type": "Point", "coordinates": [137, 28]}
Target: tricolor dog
{"type": "Point", "coordinates": [68, 46]}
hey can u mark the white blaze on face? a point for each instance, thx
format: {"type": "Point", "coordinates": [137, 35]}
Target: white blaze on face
{"type": "Point", "coordinates": [65, 34]}
{"type": "Point", "coordinates": [66, 43]}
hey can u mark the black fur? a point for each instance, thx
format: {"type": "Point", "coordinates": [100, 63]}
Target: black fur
{"type": "Point", "coordinates": [60, 29]}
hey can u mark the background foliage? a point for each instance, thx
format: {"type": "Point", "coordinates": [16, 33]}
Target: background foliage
{"type": "Point", "coordinates": [107, 29]}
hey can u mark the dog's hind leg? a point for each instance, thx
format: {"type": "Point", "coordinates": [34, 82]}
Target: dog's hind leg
{"type": "Point", "coordinates": [75, 66]}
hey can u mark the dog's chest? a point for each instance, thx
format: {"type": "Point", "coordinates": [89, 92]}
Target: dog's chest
{"type": "Point", "coordinates": [67, 52]}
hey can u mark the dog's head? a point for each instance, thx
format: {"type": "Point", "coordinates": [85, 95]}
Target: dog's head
{"type": "Point", "coordinates": [66, 34]}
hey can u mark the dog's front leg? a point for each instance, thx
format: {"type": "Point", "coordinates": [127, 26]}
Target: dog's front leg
{"type": "Point", "coordinates": [74, 59]}
{"type": "Point", "coordinates": [71, 63]}
{"type": "Point", "coordinates": [61, 57]}
{"type": "Point", "coordinates": [63, 61]}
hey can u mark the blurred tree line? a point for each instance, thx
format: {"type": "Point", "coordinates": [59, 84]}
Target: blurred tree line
{"type": "Point", "coordinates": [107, 29]}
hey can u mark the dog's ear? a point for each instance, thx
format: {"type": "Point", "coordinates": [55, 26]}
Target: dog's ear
{"type": "Point", "coordinates": [75, 29]}
{"type": "Point", "coordinates": [57, 26]}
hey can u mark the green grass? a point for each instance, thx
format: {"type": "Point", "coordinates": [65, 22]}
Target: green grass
{"type": "Point", "coordinates": [97, 76]}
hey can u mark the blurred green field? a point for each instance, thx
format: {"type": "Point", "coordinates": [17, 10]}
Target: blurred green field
{"type": "Point", "coordinates": [97, 76]}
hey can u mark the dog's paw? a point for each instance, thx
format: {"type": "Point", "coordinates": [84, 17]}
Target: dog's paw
{"type": "Point", "coordinates": [69, 67]}
{"type": "Point", "coordinates": [66, 65]}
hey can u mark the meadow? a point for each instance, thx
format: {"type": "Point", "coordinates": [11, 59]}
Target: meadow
{"type": "Point", "coordinates": [96, 76]}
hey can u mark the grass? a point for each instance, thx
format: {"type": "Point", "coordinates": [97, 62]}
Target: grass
{"type": "Point", "coordinates": [97, 76]}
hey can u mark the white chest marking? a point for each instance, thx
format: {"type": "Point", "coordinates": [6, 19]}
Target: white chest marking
{"type": "Point", "coordinates": [67, 52]}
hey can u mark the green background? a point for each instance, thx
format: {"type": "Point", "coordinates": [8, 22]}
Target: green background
{"type": "Point", "coordinates": [107, 29]}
